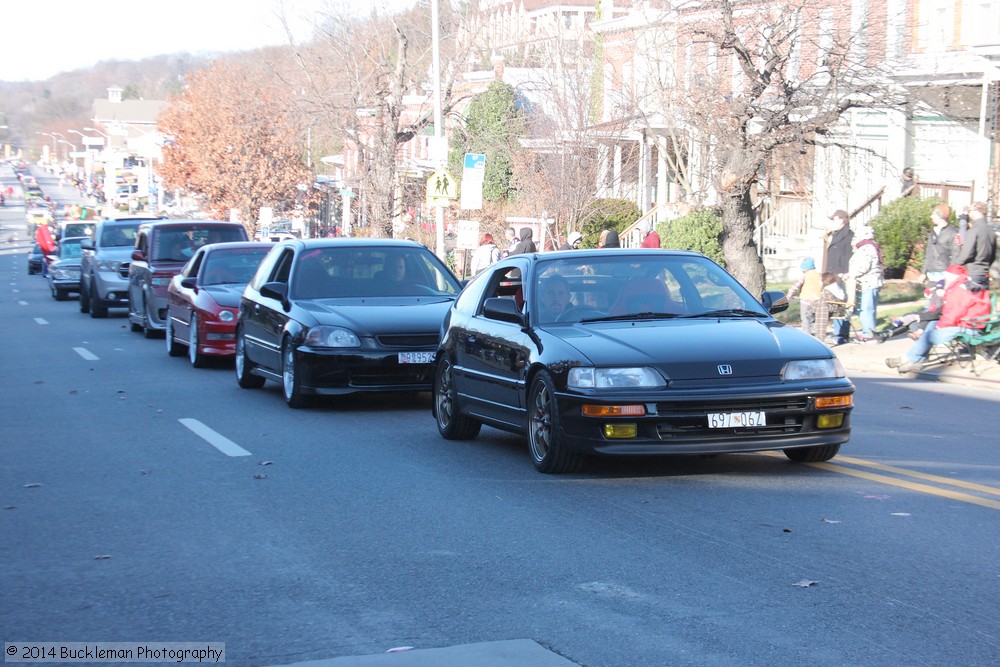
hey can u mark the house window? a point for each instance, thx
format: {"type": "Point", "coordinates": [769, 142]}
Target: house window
{"type": "Point", "coordinates": [935, 25]}
{"type": "Point", "coordinates": [981, 20]}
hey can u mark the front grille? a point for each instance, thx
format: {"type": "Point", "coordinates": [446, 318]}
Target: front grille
{"type": "Point", "coordinates": [123, 269]}
{"type": "Point", "coordinates": [408, 340]}
{"type": "Point", "coordinates": [678, 420]}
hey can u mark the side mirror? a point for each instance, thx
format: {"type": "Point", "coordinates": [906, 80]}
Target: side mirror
{"type": "Point", "coordinates": [87, 244]}
{"type": "Point", "coordinates": [774, 301]}
{"type": "Point", "coordinates": [277, 291]}
{"type": "Point", "coordinates": [505, 310]}
{"type": "Point", "coordinates": [138, 256]}
{"type": "Point", "coordinates": [189, 283]}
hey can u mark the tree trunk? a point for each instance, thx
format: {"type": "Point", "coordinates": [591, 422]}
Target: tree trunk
{"type": "Point", "coordinates": [738, 245]}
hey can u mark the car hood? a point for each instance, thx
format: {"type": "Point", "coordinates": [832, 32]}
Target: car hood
{"type": "Point", "coordinates": [116, 253]}
{"type": "Point", "coordinates": [227, 296]}
{"type": "Point", "coordinates": [695, 349]}
{"type": "Point", "coordinates": [381, 315]}
{"type": "Point", "coordinates": [67, 263]}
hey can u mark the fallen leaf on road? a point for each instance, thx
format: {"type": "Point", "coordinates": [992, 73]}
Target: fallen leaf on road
{"type": "Point", "coordinates": [786, 530]}
{"type": "Point", "coordinates": [806, 583]}
{"type": "Point", "coordinates": [260, 475]}
{"type": "Point", "coordinates": [905, 407]}
{"type": "Point", "coordinates": [72, 391]}
{"type": "Point", "coordinates": [33, 485]}
{"type": "Point", "coordinates": [10, 507]}
{"type": "Point", "coordinates": [266, 463]}
{"type": "Point", "coordinates": [400, 649]}
{"type": "Point", "coordinates": [102, 557]}
{"type": "Point", "coordinates": [825, 520]}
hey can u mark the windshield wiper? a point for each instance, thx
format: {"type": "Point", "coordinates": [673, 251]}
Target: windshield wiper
{"type": "Point", "coordinates": [729, 312]}
{"type": "Point", "coordinates": [632, 316]}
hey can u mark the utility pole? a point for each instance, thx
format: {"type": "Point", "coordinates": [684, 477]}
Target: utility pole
{"type": "Point", "coordinates": [439, 138]}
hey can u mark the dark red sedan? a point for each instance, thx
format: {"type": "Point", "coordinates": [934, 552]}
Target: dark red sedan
{"type": "Point", "coordinates": [204, 299]}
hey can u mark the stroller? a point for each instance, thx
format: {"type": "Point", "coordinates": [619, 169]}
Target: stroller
{"type": "Point", "coordinates": [914, 323]}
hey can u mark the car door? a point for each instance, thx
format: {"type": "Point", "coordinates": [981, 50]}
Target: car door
{"type": "Point", "coordinates": [491, 355]}
{"type": "Point", "coordinates": [180, 302]}
{"type": "Point", "coordinates": [138, 273]}
{"type": "Point", "coordinates": [264, 317]}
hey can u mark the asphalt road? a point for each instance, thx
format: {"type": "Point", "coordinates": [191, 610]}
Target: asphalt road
{"type": "Point", "coordinates": [352, 527]}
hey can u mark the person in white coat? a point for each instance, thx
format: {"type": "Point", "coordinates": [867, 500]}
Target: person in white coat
{"type": "Point", "coordinates": [485, 255]}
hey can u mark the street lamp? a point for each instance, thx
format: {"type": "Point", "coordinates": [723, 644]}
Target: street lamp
{"type": "Point", "coordinates": [91, 129]}
{"type": "Point", "coordinates": [49, 134]}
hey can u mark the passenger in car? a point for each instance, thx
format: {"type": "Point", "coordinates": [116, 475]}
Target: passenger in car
{"type": "Point", "coordinates": [554, 297]}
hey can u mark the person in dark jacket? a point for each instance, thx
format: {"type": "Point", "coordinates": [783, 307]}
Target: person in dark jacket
{"type": "Point", "coordinates": [526, 245]}
{"type": "Point", "coordinates": [611, 240]}
{"type": "Point", "coordinates": [978, 246]}
{"type": "Point", "coordinates": [840, 246]}
{"type": "Point", "coordinates": [941, 248]}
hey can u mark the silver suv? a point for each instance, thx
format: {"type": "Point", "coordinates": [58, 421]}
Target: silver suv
{"type": "Point", "coordinates": [104, 265]}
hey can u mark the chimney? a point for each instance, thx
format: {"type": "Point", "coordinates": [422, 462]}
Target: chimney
{"type": "Point", "coordinates": [115, 94]}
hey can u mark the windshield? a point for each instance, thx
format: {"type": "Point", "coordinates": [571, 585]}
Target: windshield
{"type": "Point", "coordinates": [376, 271]}
{"type": "Point", "coordinates": [232, 265]}
{"type": "Point", "coordinates": [633, 287]}
{"type": "Point", "coordinates": [178, 245]}
{"type": "Point", "coordinates": [116, 236]}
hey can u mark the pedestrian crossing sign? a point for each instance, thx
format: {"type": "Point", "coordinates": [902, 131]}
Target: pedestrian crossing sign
{"type": "Point", "coordinates": [441, 185]}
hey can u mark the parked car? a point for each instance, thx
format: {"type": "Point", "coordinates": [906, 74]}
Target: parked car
{"type": "Point", "coordinates": [35, 259]}
{"type": "Point", "coordinates": [104, 265]}
{"type": "Point", "coordinates": [634, 352]}
{"type": "Point", "coordinates": [161, 251]}
{"type": "Point", "coordinates": [336, 316]}
{"type": "Point", "coordinates": [204, 299]}
{"type": "Point", "coordinates": [71, 228]}
{"type": "Point", "coordinates": [64, 271]}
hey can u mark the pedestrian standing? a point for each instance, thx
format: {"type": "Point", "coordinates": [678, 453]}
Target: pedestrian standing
{"type": "Point", "coordinates": [526, 244]}
{"type": "Point", "coordinates": [979, 246]}
{"type": "Point", "coordinates": [651, 239]}
{"type": "Point", "coordinates": [611, 239]}
{"type": "Point", "coordinates": [572, 241]}
{"type": "Point", "coordinates": [940, 249]}
{"type": "Point", "coordinates": [485, 256]}
{"type": "Point", "coordinates": [865, 272]}
{"type": "Point", "coordinates": [809, 288]}
{"type": "Point", "coordinates": [510, 234]}
{"type": "Point", "coordinates": [840, 244]}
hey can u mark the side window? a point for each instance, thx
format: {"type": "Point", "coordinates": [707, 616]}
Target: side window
{"type": "Point", "coordinates": [193, 266]}
{"type": "Point", "coordinates": [505, 283]}
{"type": "Point", "coordinates": [283, 268]}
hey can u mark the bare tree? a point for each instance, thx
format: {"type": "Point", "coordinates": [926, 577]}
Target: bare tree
{"type": "Point", "coordinates": [360, 76]}
{"type": "Point", "coordinates": [743, 81]}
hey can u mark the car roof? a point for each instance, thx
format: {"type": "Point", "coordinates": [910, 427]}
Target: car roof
{"type": "Point", "coordinates": [607, 252]}
{"type": "Point", "coordinates": [352, 242]}
{"type": "Point", "coordinates": [236, 245]}
{"type": "Point", "coordinates": [170, 224]}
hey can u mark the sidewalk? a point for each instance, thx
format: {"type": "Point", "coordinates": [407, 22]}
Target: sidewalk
{"type": "Point", "coordinates": [871, 358]}
{"type": "Point", "coordinates": [510, 653]}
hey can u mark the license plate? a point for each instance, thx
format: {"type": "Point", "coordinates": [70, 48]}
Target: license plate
{"type": "Point", "coordinates": [736, 419]}
{"type": "Point", "coordinates": [416, 357]}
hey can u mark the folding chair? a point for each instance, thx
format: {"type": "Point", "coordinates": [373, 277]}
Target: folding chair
{"type": "Point", "coordinates": [982, 335]}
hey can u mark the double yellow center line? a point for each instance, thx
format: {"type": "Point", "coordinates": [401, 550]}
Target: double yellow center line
{"type": "Point", "coordinates": [913, 486]}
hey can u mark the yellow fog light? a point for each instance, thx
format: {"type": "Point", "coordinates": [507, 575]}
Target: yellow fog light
{"type": "Point", "coordinates": [830, 421]}
{"type": "Point", "coordinates": [614, 410]}
{"type": "Point", "coordinates": [834, 401]}
{"type": "Point", "coordinates": [620, 431]}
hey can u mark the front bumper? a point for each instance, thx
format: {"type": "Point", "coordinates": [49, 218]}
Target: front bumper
{"type": "Point", "coordinates": [680, 425]}
{"type": "Point", "coordinates": [110, 289]}
{"type": "Point", "coordinates": [330, 372]}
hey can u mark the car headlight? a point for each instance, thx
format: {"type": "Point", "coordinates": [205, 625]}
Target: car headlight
{"type": "Point", "coordinates": [227, 315]}
{"type": "Point", "coordinates": [614, 378]}
{"type": "Point", "coordinates": [812, 369]}
{"type": "Point", "coordinates": [324, 336]}
{"type": "Point", "coordinates": [108, 265]}
{"type": "Point", "coordinates": [60, 274]}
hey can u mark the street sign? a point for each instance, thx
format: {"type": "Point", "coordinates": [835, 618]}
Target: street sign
{"type": "Point", "coordinates": [467, 234]}
{"type": "Point", "coordinates": [473, 175]}
{"type": "Point", "coordinates": [441, 186]}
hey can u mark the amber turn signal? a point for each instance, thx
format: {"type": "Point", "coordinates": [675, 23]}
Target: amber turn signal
{"type": "Point", "coordinates": [845, 401]}
{"type": "Point", "coordinates": [614, 410]}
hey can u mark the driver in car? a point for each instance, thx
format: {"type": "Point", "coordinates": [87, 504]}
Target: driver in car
{"type": "Point", "coordinates": [554, 297]}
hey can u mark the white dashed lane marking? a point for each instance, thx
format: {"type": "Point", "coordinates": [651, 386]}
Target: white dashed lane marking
{"type": "Point", "coordinates": [41, 320]}
{"type": "Point", "coordinates": [217, 440]}
{"type": "Point", "coordinates": [86, 354]}
{"type": "Point", "coordinates": [23, 303]}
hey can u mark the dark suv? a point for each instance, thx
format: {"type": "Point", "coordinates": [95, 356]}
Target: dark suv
{"type": "Point", "coordinates": [104, 265]}
{"type": "Point", "coordinates": [161, 251]}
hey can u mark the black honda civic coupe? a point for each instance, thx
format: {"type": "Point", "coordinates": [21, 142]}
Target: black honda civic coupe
{"type": "Point", "coordinates": [338, 316]}
{"type": "Point", "coordinates": [634, 353]}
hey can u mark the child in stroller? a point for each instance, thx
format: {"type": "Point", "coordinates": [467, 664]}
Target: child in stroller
{"type": "Point", "coordinates": [915, 322]}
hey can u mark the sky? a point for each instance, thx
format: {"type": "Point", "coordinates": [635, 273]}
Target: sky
{"type": "Point", "coordinates": [46, 37]}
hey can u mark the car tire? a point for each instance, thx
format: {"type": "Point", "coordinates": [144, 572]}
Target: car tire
{"type": "Point", "coordinates": [60, 295]}
{"type": "Point", "coordinates": [244, 367]}
{"type": "Point", "coordinates": [451, 423]}
{"type": "Point", "coordinates": [198, 360]}
{"type": "Point", "coordinates": [812, 454]}
{"type": "Point", "coordinates": [549, 452]}
{"type": "Point", "coordinates": [84, 299]}
{"type": "Point", "coordinates": [174, 349]}
{"type": "Point", "coordinates": [291, 386]}
{"type": "Point", "coordinates": [97, 311]}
